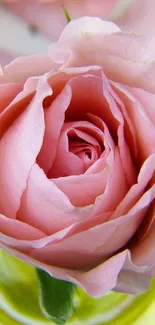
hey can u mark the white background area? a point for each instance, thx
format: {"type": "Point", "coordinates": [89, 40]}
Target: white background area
{"type": "Point", "coordinates": [16, 37]}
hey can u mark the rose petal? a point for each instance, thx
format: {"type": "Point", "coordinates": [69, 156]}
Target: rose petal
{"type": "Point", "coordinates": [129, 130]}
{"type": "Point", "coordinates": [125, 155]}
{"type": "Point", "coordinates": [125, 57]}
{"type": "Point", "coordinates": [95, 282]}
{"type": "Point", "coordinates": [116, 187]}
{"type": "Point", "coordinates": [54, 119]}
{"type": "Point", "coordinates": [7, 93]}
{"type": "Point", "coordinates": [82, 249]}
{"type": "Point", "coordinates": [136, 191]}
{"type": "Point", "coordinates": [20, 69]}
{"type": "Point", "coordinates": [27, 245]}
{"type": "Point", "coordinates": [18, 105]}
{"type": "Point", "coordinates": [19, 148]}
{"type": "Point", "coordinates": [18, 229]}
{"type": "Point", "coordinates": [133, 279]}
{"type": "Point", "coordinates": [55, 211]}
{"type": "Point", "coordinates": [147, 100]}
{"type": "Point", "coordinates": [141, 121]}
{"type": "Point", "coordinates": [143, 251]}
{"type": "Point", "coordinates": [66, 163]}
{"type": "Point", "coordinates": [82, 190]}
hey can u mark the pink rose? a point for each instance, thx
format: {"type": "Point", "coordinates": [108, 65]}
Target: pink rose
{"type": "Point", "coordinates": [77, 158]}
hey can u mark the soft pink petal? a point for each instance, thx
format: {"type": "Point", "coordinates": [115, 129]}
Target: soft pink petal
{"type": "Point", "coordinates": [24, 67]}
{"type": "Point", "coordinates": [55, 211]}
{"type": "Point", "coordinates": [54, 119]}
{"type": "Point", "coordinates": [18, 229]}
{"type": "Point", "coordinates": [82, 190]}
{"type": "Point", "coordinates": [82, 249]}
{"type": "Point", "coordinates": [7, 93]}
{"type": "Point", "coordinates": [18, 104]}
{"type": "Point", "coordinates": [116, 187]}
{"type": "Point", "coordinates": [66, 163]}
{"type": "Point", "coordinates": [129, 130]}
{"type": "Point", "coordinates": [145, 129]}
{"type": "Point", "coordinates": [6, 57]}
{"type": "Point", "coordinates": [125, 155]}
{"type": "Point", "coordinates": [91, 91]}
{"type": "Point", "coordinates": [62, 90]}
{"type": "Point", "coordinates": [147, 100]}
{"type": "Point", "coordinates": [27, 245]}
{"type": "Point", "coordinates": [143, 251]}
{"type": "Point", "coordinates": [145, 175]}
{"type": "Point", "coordinates": [19, 148]}
{"type": "Point", "coordinates": [133, 279]}
{"type": "Point", "coordinates": [125, 57]}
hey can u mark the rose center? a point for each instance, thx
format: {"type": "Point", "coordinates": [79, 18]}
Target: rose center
{"type": "Point", "coordinates": [88, 152]}
{"type": "Point", "coordinates": [80, 146]}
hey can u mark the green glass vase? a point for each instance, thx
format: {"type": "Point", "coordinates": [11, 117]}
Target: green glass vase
{"type": "Point", "coordinates": [19, 302]}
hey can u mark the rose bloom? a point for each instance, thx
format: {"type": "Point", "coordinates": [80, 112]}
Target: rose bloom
{"type": "Point", "coordinates": [77, 158]}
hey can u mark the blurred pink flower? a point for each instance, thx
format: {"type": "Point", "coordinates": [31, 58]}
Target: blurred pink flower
{"type": "Point", "coordinates": [48, 16]}
{"type": "Point", "coordinates": [6, 57]}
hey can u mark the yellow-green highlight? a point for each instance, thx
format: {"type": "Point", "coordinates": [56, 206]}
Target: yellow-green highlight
{"type": "Point", "coordinates": [19, 303]}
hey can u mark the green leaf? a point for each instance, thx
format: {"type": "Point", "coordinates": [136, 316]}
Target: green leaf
{"type": "Point", "coordinates": [56, 297]}
{"type": "Point", "coordinates": [68, 17]}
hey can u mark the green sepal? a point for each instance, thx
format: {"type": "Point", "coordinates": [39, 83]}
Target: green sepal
{"type": "Point", "coordinates": [56, 297]}
{"type": "Point", "coordinates": [68, 17]}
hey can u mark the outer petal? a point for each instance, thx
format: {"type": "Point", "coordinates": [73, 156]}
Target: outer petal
{"type": "Point", "coordinates": [7, 93]}
{"type": "Point", "coordinates": [18, 229]}
{"type": "Point", "coordinates": [136, 191]}
{"type": "Point", "coordinates": [143, 251]}
{"type": "Point", "coordinates": [55, 211]}
{"type": "Point", "coordinates": [125, 57]}
{"type": "Point", "coordinates": [142, 121]}
{"type": "Point", "coordinates": [147, 100]}
{"type": "Point", "coordinates": [82, 249]}
{"type": "Point", "coordinates": [19, 148]}
{"type": "Point", "coordinates": [24, 67]}
{"type": "Point", "coordinates": [133, 278]}
{"type": "Point", "coordinates": [96, 282]}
